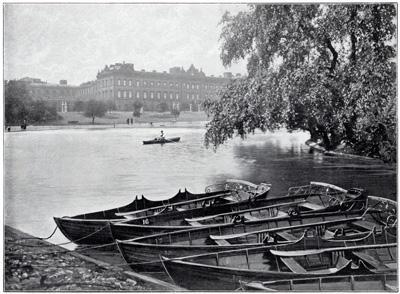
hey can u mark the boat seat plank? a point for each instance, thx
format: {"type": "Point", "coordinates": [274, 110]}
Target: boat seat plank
{"type": "Point", "coordinates": [286, 236]}
{"type": "Point", "coordinates": [281, 213]}
{"type": "Point", "coordinates": [250, 217]}
{"type": "Point", "coordinates": [293, 265]}
{"type": "Point", "coordinates": [364, 225]}
{"type": "Point", "coordinates": [195, 224]}
{"type": "Point", "coordinates": [311, 206]}
{"type": "Point", "coordinates": [222, 242]}
{"type": "Point", "coordinates": [370, 260]}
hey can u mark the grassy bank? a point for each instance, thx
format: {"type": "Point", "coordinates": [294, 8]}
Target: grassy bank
{"type": "Point", "coordinates": [121, 118]}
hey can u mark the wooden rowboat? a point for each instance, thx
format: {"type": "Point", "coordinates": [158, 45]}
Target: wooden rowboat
{"type": "Point", "coordinates": [162, 140]}
{"type": "Point", "coordinates": [253, 219]}
{"type": "Point", "coordinates": [224, 270]}
{"type": "Point", "coordinates": [143, 253]}
{"type": "Point", "coordinates": [94, 228]}
{"type": "Point", "coordinates": [346, 283]}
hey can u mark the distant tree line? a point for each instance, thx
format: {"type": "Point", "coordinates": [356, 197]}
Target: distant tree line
{"type": "Point", "coordinates": [329, 69]}
{"type": "Point", "coordinates": [19, 106]}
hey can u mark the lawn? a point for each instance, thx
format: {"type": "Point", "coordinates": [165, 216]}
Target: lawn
{"type": "Point", "coordinates": [121, 117]}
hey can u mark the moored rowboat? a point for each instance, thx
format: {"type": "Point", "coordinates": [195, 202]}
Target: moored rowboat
{"type": "Point", "coordinates": [346, 283]}
{"type": "Point", "coordinates": [94, 228]}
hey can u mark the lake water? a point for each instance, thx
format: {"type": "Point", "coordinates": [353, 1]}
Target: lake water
{"type": "Point", "coordinates": [67, 172]}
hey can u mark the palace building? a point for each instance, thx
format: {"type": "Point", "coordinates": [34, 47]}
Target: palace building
{"type": "Point", "coordinates": [123, 85]}
{"type": "Point", "coordinates": [62, 95]}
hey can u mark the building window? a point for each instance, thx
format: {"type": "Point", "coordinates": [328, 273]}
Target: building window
{"type": "Point", "coordinates": [165, 95]}
{"type": "Point", "coordinates": [158, 84]}
{"type": "Point", "coordinates": [138, 94]}
{"type": "Point", "coordinates": [152, 84]}
{"type": "Point", "coordinates": [144, 95]}
{"type": "Point", "coordinates": [193, 96]}
{"type": "Point", "coordinates": [130, 83]}
{"type": "Point", "coordinates": [124, 82]}
{"type": "Point", "coordinates": [119, 94]}
{"type": "Point", "coordinates": [205, 86]}
{"type": "Point", "coordinates": [188, 86]}
{"type": "Point", "coordinates": [171, 84]}
{"type": "Point", "coordinates": [158, 95]}
{"type": "Point", "coordinates": [165, 84]}
{"type": "Point", "coordinates": [151, 95]}
{"type": "Point", "coordinates": [144, 83]}
{"type": "Point", "coordinates": [177, 85]}
{"type": "Point", "coordinates": [124, 94]}
{"type": "Point", "coordinates": [170, 95]}
{"type": "Point", "coordinates": [119, 82]}
{"type": "Point", "coordinates": [187, 96]}
{"type": "Point", "coordinates": [130, 94]}
{"type": "Point", "coordinates": [177, 95]}
{"type": "Point", "coordinates": [192, 86]}
{"type": "Point", "coordinates": [197, 86]}
{"type": "Point", "coordinates": [197, 96]}
{"type": "Point", "coordinates": [138, 83]}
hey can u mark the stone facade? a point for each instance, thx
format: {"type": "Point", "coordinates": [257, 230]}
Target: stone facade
{"type": "Point", "coordinates": [122, 84]}
{"type": "Point", "coordinates": [62, 95]}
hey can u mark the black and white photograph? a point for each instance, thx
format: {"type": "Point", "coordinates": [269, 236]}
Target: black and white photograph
{"type": "Point", "coordinates": [200, 146]}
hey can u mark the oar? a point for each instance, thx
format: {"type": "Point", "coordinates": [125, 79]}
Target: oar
{"type": "Point", "coordinates": [332, 249]}
{"type": "Point", "coordinates": [239, 235]}
{"type": "Point", "coordinates": [170, 141]}
{"type": "Point", "coordinates": [196, 219]}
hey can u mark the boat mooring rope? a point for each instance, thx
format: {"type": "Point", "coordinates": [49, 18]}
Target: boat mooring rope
{"type": "Point", "coordinates": [60, 244]}
{"type": "Point", "coordinates": [41, 238]}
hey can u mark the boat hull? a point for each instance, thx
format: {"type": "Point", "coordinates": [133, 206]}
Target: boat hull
{"type": "Point", "coordinates": [162, 141]}
{"type": "Point", "coordinates": [194, 277]}
{"type": "Point", "coordinates": [85, 232]}
{"type": "Point", "coordinates": [368, 283]}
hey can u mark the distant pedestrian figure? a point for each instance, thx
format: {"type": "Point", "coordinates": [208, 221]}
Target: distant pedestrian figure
{"type": "Point", "coordinates": [151, 123]}
{"type": "Point", "coordinates": [132, 121]}
{"type": "Point", "coordinates": [162, 134]}
{"type": "Point", "coordinates": [24, 125]}
{"type": "Point", "coordinates": [127, 121]}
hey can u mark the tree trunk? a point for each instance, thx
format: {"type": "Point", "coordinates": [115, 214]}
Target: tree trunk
{"type": "Point", "coordinates": [93, 120]}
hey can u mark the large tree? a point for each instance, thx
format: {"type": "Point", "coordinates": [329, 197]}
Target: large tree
{"type": "Point", "coordinates": [328, 69]}
{"type": "Point", "coordinates": [95, 108]}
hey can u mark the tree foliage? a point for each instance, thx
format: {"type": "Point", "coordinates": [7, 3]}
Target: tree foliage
{"type": "Point", "coordinates": [19, 106]}
{"type": "Point", "coordinates": [328, 69]}
{"type": "Point", "coordinates": [163, 106]}
{"type": "Point", "coordinates": [79, 106]}
{"type": "Point", "coordinates": [95, 108]}
{"type": "Point", "coordinates": [175, 112]}
{"type": "Point", "coordinates": [137, 107]}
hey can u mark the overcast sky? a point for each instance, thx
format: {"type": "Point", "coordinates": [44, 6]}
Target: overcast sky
{"type": "Point", "coordinates": [73, 41]}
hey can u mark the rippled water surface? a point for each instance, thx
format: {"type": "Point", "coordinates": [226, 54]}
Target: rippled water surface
{"type": "Point", "coordinates": [66, 172]}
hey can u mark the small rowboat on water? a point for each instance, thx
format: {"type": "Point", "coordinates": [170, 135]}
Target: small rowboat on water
{"type": "Point", "coordinates": [162, 140]}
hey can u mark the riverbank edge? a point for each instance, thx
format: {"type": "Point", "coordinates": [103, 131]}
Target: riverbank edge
{"type": "Point", "coordinates": [315, 146]}
{"type": "Point", "coordinates": [151, 283]}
